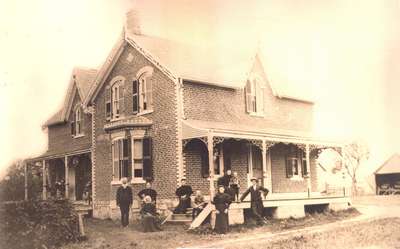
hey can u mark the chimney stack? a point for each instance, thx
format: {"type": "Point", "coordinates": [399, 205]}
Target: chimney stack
{"type": "Point", "coordinates": [133, 22]}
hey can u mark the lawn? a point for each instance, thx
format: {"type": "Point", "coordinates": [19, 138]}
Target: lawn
{"type": "Point", "coordinates": [109, 234]}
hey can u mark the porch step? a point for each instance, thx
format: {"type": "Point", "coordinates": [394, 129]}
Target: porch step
{"type": "Point", "coordinates": [82, 207]}
{"type": "Point", "coordinates": [181, 218]}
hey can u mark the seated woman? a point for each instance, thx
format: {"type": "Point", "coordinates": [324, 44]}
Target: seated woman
{"type": "Point", "coordinates": [149, 216]}
{"type": "Point", "coordinates": [183, 193]}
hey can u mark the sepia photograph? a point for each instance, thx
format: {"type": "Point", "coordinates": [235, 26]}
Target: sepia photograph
{"type": "Point", "coordinates": [184, 124]}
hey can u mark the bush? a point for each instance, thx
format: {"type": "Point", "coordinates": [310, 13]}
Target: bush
{"type": "Point", "coordinates": [38, 224]}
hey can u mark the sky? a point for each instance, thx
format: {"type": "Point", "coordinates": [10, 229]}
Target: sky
{"type": "Point", "coordinates": [346, 53]}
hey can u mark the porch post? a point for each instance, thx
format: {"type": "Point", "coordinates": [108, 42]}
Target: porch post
{"type": "Point", "coordinates": [44, 191]}
{"type": "Point", "coordinates": [210, 145]}
{"type": "Point", "coordinates": [26, 181]}
{"type": "Point", "coordinates": [66, 176]}
{"type": "Point", "coordinates": [211, 163]}
{"type": "Point", "coordinates": [264, 162]}
{"type": "Point", "coordinates": [308, 169]}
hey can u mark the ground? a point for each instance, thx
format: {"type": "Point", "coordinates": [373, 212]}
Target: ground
{"type": "Point", "coordinates": [378, 226]}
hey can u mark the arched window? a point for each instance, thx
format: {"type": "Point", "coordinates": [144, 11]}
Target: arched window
{"type": "Point", "coordinates": [115, 98]}
{"type": "Point", "coordinates": [143, 91]}
{"type": "Point", "coordinates": [254, 96]}
{"type": "Point", "coordinates": [76, 122]}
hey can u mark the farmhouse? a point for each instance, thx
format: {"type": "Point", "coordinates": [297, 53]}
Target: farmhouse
{"type": "Point", "coordinates": [162, 110]}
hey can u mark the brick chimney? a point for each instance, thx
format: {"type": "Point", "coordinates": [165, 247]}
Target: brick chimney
{"type": "Point", "coordinates": [133, 22]}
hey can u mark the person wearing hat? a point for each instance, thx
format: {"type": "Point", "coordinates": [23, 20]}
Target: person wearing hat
{"type": "Point", "coordinates": [124, 201]}
{"type": "Point", "coordinates": [221, 201]}
{"type": "Point", "coordinates": [256, 200]}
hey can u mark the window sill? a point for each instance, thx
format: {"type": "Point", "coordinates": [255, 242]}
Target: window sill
{"type": "Point", "coordinates": [78, 136]}
{"type": "Point", "coordinates": [296, 178]}
{"type": "Point", "coordinates": [138, 181]}
{"type": "Point", "coordinates": [144, 112]}
{"type": "Point", "coordinates": [254, 114]}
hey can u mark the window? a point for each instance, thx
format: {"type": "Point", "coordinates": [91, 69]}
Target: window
{"type": "Point", "coordinates": [304, 168]}
{"type": "Point", "coordinates": [143, 91]}
{"type": "Point", "coordinates": [115, 98]}
{"type": "Point", "coordinates": [294, 160]}
{"type": "Point", "coordinates": [121, 158]}
{"type": "Point", "coordinates": [254, 96]}
{"type": "Point", "coordinates": [76, 122]}
{"type": "Point", "coordinates": [132, 158]}
{"type": "Point", "coordinates": [219, 161]}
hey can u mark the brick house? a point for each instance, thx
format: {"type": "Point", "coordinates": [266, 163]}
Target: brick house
{"type": "Point", "coordinates": [160, 110]}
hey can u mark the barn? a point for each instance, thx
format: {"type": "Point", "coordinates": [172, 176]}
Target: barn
{"type": "Point", "coordinates": [387, 177]}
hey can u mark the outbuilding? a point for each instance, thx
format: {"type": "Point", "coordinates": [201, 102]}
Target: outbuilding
{"type": "Point", "coordinates": [387, 177]}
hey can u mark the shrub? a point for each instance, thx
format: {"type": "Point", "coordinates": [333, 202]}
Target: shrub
{"type": "Point", "coordinates": [38, 224]}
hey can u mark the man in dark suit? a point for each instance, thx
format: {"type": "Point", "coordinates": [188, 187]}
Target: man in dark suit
{"type": "Point", "coordinates": [124, 201]}
{"type": "Point", "coordinates": [256, 199]}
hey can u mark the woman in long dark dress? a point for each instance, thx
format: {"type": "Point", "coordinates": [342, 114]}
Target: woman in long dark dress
{"type": "Point", "coordinates": [149, 216]}
{"type": "Point", "coordinates": [221, 201]}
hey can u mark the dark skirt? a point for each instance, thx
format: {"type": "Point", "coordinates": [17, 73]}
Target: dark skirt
{"type": "Point", "coordinates": [221, 223]}
{"type": "Point", "coordinates": [150, 223]}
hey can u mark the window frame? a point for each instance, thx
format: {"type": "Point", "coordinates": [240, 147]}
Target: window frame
{"type": "Point", "coordinates": [122, 159]}
{"type": "Point", "coordinates": [114, 102]}
{"type": "Point", "coordinates": [294, 154]}
{"type": "Point", "coordinates": [144, 93]}
{"type": "Point", "coordinates": [254, 95]}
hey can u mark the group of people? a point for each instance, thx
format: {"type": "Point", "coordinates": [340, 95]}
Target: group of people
{"type": "Point", "coordinates": [228, 192]}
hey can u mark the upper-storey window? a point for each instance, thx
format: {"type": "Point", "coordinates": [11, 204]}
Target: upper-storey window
{"type": "Point", "coordinates": [76, 122]}
{"type": "Point", "coordinates": [143, 91]}
{"type": "Point", "coordinates": [115, 98]}
{"type": "Point", "coordinates": [254, 96]}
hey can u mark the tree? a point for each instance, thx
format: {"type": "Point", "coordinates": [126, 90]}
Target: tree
{"type": "Point", "coordinates": [354, 155]}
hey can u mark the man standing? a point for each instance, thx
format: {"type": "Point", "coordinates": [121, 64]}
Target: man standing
{"type": "Point", "coordinates": [124, 201]}
{"type": "Point", "coordinates": [256, 205]}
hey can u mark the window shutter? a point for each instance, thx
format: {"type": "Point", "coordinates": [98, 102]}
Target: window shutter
{"type": "Point", "coordinates": [73, 125]}
{"type": "Point", "coordinates": [248, 96]}
{"type": "Point", "coordinates": [205, 168]}
{"type": "Point", "coordinates": [260, 99]}
{"type": "Point", "coordinates": [149, 93]}
{"type": "Point", "coordinates": [135, 96]}
{"type": "Point", "coordinates": [121, 100]}
{"type": "Point", "coordinates": [108, 107]}
{"type": "Point", "coordinates": [147, 160]}
{"type": "Point", "coordinates": [289, 168]}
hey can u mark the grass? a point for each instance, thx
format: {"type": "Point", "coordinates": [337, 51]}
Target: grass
{"type": "Point", "coordinates": [109, 234]}
{"type": "Point", "coordinates": [383, 233]}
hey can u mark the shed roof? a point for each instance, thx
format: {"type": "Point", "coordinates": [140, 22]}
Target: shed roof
{"type": "Point", "coordinates": [391, 166]}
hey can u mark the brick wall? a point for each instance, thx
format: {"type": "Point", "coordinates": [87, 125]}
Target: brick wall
{"type": "Point", "coordinates": [282, 184]}
{"type": "Point", "coordinates": [211, 103]}
{"type": "Point", "coordinates": [163, 131]}
{"type": "Point", "coordinates": [60, 138]}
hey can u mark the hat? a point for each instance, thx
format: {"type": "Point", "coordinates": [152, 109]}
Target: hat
{"type": "Point", "coordinates": [253, 179]}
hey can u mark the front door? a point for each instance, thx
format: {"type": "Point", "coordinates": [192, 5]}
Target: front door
{"type": "Point", "coordinates": [255, 164]}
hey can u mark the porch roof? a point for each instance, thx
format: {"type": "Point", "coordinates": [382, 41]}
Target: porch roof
{"type": "Point", "coordinates": [200, 128]}
{"type": "Point", "coordinates": [55, 154]}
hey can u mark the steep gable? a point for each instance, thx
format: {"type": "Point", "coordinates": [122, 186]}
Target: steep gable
{"type": "Point", "coordinates": [80, 83]}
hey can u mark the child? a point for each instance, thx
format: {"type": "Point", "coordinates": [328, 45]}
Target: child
{"type": "Point", "coordinates": [198, 204]}
{"type": "Point", "coordinates": [235, 185]}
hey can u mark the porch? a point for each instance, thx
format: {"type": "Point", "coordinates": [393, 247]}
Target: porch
{"type": "Point", "coordinates": [64, 175]}
{"type": "Point", "coordinates": [285, 164]}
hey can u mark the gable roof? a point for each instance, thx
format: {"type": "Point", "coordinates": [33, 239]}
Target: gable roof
{"type": "Point", "coordinates": [223, 66]}
{"type": "Point", "coordinates": [80, 81]}
{"type": "Point", "coordinates": [391, 166]}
